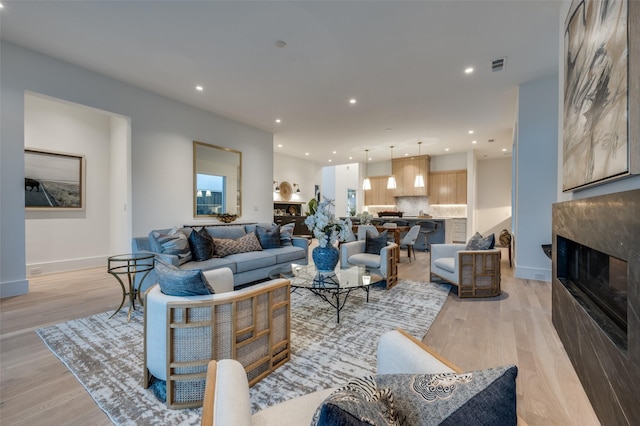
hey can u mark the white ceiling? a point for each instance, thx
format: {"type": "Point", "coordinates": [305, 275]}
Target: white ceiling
{"type": "Point", "coordinates": [403, 61]}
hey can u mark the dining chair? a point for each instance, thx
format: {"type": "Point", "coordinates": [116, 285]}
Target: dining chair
{"type": "Point", "coordinates": [410, 239]}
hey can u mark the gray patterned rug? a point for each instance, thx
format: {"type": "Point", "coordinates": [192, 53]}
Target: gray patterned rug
{"type": "Point", "coordinates": [106, 354]}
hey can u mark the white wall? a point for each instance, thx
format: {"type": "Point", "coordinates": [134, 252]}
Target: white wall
{"type": "Point", "coordinates": [535, 159]}
{"type": "Point", "coordinates": [294, 170]}
{"type": "Point", "coordinates": [64, 240]}
{"type": "Point", "coordinates": [493, 201]}
{"type": "Point", "coordinates": [162, 131]}
{"type": "Point", "coordinates": [346, 177]}
{"type": "Point", "coordinates": [441, 163]}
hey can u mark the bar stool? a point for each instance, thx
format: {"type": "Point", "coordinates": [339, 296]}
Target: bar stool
{"type": "Point", "coordinates": [427, 227]}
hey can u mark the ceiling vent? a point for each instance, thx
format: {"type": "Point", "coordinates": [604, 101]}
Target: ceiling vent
{"type": "Point", "coordinates": [498, 64]}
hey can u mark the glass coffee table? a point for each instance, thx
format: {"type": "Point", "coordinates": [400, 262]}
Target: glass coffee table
{"type": "Point", "coordinates": [333, 287]}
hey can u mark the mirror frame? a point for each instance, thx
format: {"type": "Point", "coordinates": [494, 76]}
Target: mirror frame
{"type": "Point", "coordinates": [195, 179]}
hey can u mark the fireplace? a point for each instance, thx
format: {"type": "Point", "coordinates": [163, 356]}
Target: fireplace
{"type": "Point", "coordinates": [596, 298]}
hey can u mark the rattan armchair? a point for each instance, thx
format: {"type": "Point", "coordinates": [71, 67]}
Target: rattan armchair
{"type": "Point", "coordinates": [182, 334]}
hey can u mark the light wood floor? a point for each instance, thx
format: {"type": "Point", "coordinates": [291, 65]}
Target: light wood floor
{"type": "Point", "coordinates": [37, 389]}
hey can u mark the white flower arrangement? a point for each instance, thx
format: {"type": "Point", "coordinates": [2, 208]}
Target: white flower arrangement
{"type": "Point", "coordinates": [325, 227]}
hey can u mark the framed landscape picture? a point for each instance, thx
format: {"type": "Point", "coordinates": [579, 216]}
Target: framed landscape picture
{"type": "Point", "coordinates": [600, 134]}
{"type": "Point", "coordinates": [53, 180]}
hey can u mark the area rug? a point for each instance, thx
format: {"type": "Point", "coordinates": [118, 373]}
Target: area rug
{"type": "Point", "coordinates": [106, 355]}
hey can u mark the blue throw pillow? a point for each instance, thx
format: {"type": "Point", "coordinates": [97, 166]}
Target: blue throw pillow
{"type": "Point", "coordinates": [486, 397]}
{"type": "Point", "coordinates": [286, 234]}
{"type": "Point", "coordinates": [181, 282]}
{"type": "Point", "coordinates": [268, 237]}
{"type": "Point", "coordinates": [478, 242]}
{"type": "Point", "coordinates": [201, 245]}
{"type": "Point", "coordinates": [375, 243]}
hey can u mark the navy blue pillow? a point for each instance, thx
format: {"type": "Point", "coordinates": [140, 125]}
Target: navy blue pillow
{"type": "Point", "coordinates": [373, 243]}
{"type": "Point", "coordinates": [181, 282]}
{"type": "Point", "coordinates": [201, 245]}
{"type": "Point", "coordinates": [268, 237]}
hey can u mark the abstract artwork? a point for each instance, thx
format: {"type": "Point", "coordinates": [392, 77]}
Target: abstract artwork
{"type": "Point", "coordinates": [596, 133]}
{"type": "Point", "coordinates": [53, 180]}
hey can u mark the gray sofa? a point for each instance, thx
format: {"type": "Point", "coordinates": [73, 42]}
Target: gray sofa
{"type": "Point", "coordinates": [246, 267]}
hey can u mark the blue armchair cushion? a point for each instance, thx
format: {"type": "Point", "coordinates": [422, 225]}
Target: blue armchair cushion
{"type": "Point", "coordinates": [268, 237]}
{"type": "Point", "coordinates": [486, 397]}
{"type": "Point", "coordinates": [180, 282]}
{"type": "Point", "coordinates": [175, 243]}
{"type": "Point", "coordinates": [375, 243]}
{"type": "Point", "coordinates": [201, 245]}
{"type": "Point", "coordinates": [478, 242]}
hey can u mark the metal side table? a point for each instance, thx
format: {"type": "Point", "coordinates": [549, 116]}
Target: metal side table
{"type": "Point", "coordinates": [130, 265]}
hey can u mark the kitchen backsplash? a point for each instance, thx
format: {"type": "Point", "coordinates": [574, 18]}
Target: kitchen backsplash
{"type": "Point", "coordinates": [412, 206]}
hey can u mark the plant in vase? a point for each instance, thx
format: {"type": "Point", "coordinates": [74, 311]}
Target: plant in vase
{"type": "Point", "coordinates": [327, 230]}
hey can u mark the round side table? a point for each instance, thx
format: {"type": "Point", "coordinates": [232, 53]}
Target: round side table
{"type": "Point", "coordinates": [130, 264]}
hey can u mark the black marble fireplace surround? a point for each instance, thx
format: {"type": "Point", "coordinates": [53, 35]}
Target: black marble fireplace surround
{"type": "Point", "coordinates": [604, 347]}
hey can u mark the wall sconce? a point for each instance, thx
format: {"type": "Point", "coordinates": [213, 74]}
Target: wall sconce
{"type": "Point", "coordinates": [297, 187]}
{"type": "Point", "coordinates": [275, 182]}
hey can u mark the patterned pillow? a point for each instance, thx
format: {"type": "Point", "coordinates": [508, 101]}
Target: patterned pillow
{"type": "Point", "coordinates": [477, 242]}
{"type": "Point", "coordinates": [286, 234]}
{"type": "Point", "coordinates": [478, 397]}
{"type": "Point", "coordinates": [181, 282]}
{"type": "Point", "coordinates": [224, 247]}
{"type": "Point", "coordinates": [375, 243]}
{"type": "Point", "coordinates": [175, 243]}
{"type": "Point", "coordinates": [268, 237]}
{"type": "Point", "coordinates": [201, 245]}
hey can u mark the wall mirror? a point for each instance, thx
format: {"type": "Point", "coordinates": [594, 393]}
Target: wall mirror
{"type": "Point", "coordinates": [217, 180]}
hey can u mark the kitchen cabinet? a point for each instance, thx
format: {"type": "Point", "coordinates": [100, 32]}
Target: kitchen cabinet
{"type": "Point", "coordinates": [448, 187]}
{"type": "Point", "coordinates": [405, 171]}
{"type": "Point", "coordinates": [456, 231]}
{"type": "Point", "coordinates": [379, 195]}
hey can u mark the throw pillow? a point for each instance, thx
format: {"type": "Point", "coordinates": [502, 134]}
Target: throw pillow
{"type": "Point", "coordinates": [286, 234]}
{"type": "Point", "coordinates": [225, 247]}
{"type": "Point", "coordinates": [268, 237]}
{"type": "Point", "coordinates": [478, 397]}
{"type": "Point", "coordinates": [174, 243]}
{"type": "Point", "coordinates": [375, 243]}
{"type": "Point", "coordinates": [201, 245]}
{"type": "Point", "coordinates": [478, 242]}
{"type": "Point", "coordinates": [181, 282]}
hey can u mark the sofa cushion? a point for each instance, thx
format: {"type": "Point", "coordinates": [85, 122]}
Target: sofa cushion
{"type": "Point", "coordinates": [478, 242]}
{"type": "Point", "coordinates": [201, 245]}
{"type": "Point", "coordinates": [248, 261]}
{"type": "Point", "coordinates": [173, 242]}
{"type": "Point", "coordinates": [286, 234]}
{"type": "Point", "coordinates": [375, 243]}
{"type": "Point", "coordinates": [446, 263]}
{"type": "Point", "coordinates": [213, 263]}
{"type": "Point", "coordinates": [224, 247]}
{"type": "Point", "coordinates": [477, 397]}
{"type": "Point", "coordinates": [232, 232]}
{"type": "Point", "coordinates": [365, 259]}
{"type": "Point", "coordinates": [179, 282]}
{"type": "Point", "coordinates": [287, 254]}
{"type": "Point", "coordinates": [268, 237]}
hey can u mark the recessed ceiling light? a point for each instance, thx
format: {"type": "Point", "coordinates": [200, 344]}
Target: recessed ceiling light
{"type": "Point", "coordinates": [446, 149]}
{"type": "Point", "coordinates": [388, 130]}
{"type": "Point", "coordinates": [1, 6]}
{"type": "Point", "coordinates": [329, 159]}
{"type": "Point", "coordinates": [350, 158]}
{"type": "Point", "coordinates": [199, 88]}
{"type": "Point", "coordinates": [334, 152]}
{"type": "Point", "coordinates": [306, 153]}
{"type": "Point", "coordinates": [468, 70]}
{"type": "Point", "coordinates": [352, 101]}
{"type": "Point", "coordinates": [278, 121]}
{"type": "Point", "coordinates": [406, 154]}
{"type": "Point", "coordinates": [504, 149]}
{"type": "Point", "coordinates": [474, 141]}
{"type": "Point", "coordinates": [470, 132]}
{"type": "Point", "coordinates": [279, 145]}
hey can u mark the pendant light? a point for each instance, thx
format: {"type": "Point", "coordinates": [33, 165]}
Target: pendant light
{"type": "Point", "coordinates": [391, 183]}
{"type": "Point", "coordinates": [419, 182]}
{"type": "Point", "coordinates": [366, 183]}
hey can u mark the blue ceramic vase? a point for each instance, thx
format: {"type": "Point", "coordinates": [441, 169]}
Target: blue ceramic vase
{"type": "Point", "coordinates": [325, 258]}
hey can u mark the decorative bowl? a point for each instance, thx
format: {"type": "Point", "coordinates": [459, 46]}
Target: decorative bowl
{"type": "Point", "coordinates": [227, 218]}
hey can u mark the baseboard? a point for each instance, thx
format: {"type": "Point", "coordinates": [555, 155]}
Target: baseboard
{"type": "Point", "coordinates": [538, 274]}
{"type": "Point", "coordinates": [65, 265]}
{"type": "Point", "coordinates": [14, 288]}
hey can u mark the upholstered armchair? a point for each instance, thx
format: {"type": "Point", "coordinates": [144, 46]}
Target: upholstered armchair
{"type": "Point", "coordinates": [183, 333]}
{"type": "Point", "coordinates": [476, 273]}
{"type": "Point", "coordinates": [384, 263]}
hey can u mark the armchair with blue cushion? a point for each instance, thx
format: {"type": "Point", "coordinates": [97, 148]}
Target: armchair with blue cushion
{"type": "Point", "coordinates": [474, 268]}
{"type": "Point", "coordinates": [374, 253]}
